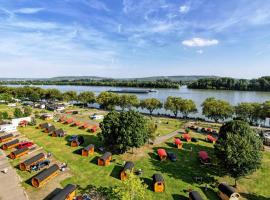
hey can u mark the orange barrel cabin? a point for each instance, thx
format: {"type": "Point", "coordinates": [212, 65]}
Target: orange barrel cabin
{"type": "Point", "coordinates": [25, 165]}
{"type": "Point", "coordinates": [9, 145]}
{"type": "Point", "coordinates": [158, 183]}
{"type": "Point", "coordinates": [204, 158]}
{"type": "Point", "coordinates": [178, 143]}
{"type": "Point", "coordinates": [79, 140]}
{"type": "Point", "coordinates": [43, 177]}
{"type": "Point", "coordinates": [93, 129]}
{"type": "Point", "coordinates": [105, 159]}
{"type": "Point", "coordinates": [162, 154]}
{"type": "Point", "coordinates": [69, 121]}
{"type": "Point", "coordinates": [5, 138]}
{"type": "Point", "coordinates": [18, 153]}
{"type": "Point", "coordinates": [89, 150]}
{"type": "Point", "coordinates": [127, 168]}
{"type": "Point", "coordinates": [77, 123]}
{"type": "Point", "coordinates": [50, 129]}
{"type": "Point", "coordinates": [84, 126]}
{"type": "Point", "coordinates": [62, 119]}
{"type": "Point", "coordinates": [58, 133]}
{"type": "Point", "coordinates": [227, 192]}
{"type": "Point", "coordinates": [43, 125]}
{"type": "Point", "coordinates": [194, 195]}
{"type": "Point", "coordinates": [186, 137]}
{"type": "Point", "coordinates": [211, 139]}
{"type": "Point", "coordinates": [67, 193]}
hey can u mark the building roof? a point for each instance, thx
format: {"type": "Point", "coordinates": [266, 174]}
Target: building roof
{"type": "Point", "coordinates": [158, 178]}
{"type": "Point", "coordinates": [90, 146]}
{"type": "Point", "coordinates": [161, 152]}
{"type": "Point", "coordinates": [226, 189]}
{"type": "Point", "coordinates": [59, 131]}
{"type": "Point", "coordinates": [34, 159]}
{"type": "Point", "coordinates": [194, 195]}
{"type": "Point", "coordinates": [186, 136]}
{"type": "Point", "coordinates": [177, 141]}
{"type": "Point", "coordinates": [44, 125]}
{"type": "Point", "coordinates": [47, 172]}
{"type": "Point", "coordinates": [128, 166]}
{"type": "Point", "coordinates": [11, 142]}
{"type": "Point", "coordinates": [203, 155]}
{"type": "Point", "coordinates": [63, 194]}
{"type": "Point", "coordinates": [106, 155]}
{"type": "Point", "coordinates": [19, 151]}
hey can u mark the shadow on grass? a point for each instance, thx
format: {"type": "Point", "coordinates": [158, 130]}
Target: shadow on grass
{"type": "Point", "coordinates": [171, 144]}
{"type": "Point", "coordinates": [94, 160]}
{"type": "Point", "coordinates": [254, 196]}
{"type": "Point", "coordinates": [188, 165]}
{"type": "Point", "coordinates": [116, 172]}
{"type": "Point", "coordinates": [209, 193]}
{"type": "Point", "coordinates": [78, 151]}
{"type": "Point", "coordinates": [179, 197]}
{"type": "Point", "coordinates": [149, 183]}
{"type": "Point", "coordinates": [52, 194]}
{"type": "Point", "coordinates": [88, 139]}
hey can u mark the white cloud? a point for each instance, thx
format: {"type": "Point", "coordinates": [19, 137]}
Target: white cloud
{"type": "Point", "coordinates": [200, 51]}
{"type": "Point", "coordinates": [184, 9]}
{"type": "Point", "coordinates": [200, 42]}
{"type": "Point", "coordinates": [28, 10]}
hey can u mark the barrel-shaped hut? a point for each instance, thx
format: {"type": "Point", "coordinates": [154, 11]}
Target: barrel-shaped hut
{"type": "Point", "coordinates": [50, 129]}
{"type": "Point", "coordinates": [67, 193]}
{"type": "Point", "coordinates": [43, 125]}
{"type": "Point", "coordinates": [204, 158]}
{"type": "Point", "coordinates": [227, 192]}
{"type": "Point", "coordinates": [76, 123]}
{"type": "Point", "coordinates": [18, 153]}
{"type": "Point", "coordinates": [186, 137]}
{"type": "Point", "coordinates": [62, 119]}
{"type": "Point", "coordinates": [178, 143]}
{"type": "Point", "coordinates": [211, 139]}
{"type": "Point", "coordinates": [79, 140]}
{"type": "Point", "coordinates": [128, 168]}
{"type": "Point", "coordinates": [5, 138]}
{"type": "Point", "coordinates": [27, 164]}
{"type": "Point", "coordinates": [105, 159]}
{"type": "Point", "coordinates": [93, 129]}
{"type": "Point", "coordinates": [84, 126]}
{"type": "Point", "coordinates": [89, 150]}
{"type": "Point", "coordinates": [11, 144]}
{"type": "Point", "coordinates": [69, 121]}
{"type": "Point", "coordinates": [158, 183]}
{"type": "Point", "coordinates": [44, 176]}
{"type": "Point", "coordinates": [194, 195]}
{"type": "Point", "coordinates": [162, 154]}
{"type": "Point", "coordinates": [58, 133]}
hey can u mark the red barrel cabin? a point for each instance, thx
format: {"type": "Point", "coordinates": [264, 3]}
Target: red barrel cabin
{"type": "Point", "coordinates": [162, 154]}
{"type": "Point", "coordinates": [211, 139]}
{"type": "Point", "coordinates": [105, 159]}
{"type": "Point", "coordinates": [178, 143]}
{"type": "Point", "coordinates": [204, 158]}
{"type": "Point", "coordinates": [93, 129]}
{"type": "Point", "coordinates": [186, 137]}
{"type": "Point", "coordinates": [84, 126]}
{"type": "Point", "coordinates": [62, 119]}
{"type": "Point", "coordinates": [77, 123]}
{"type": "Point", "coordinates": [69, 121]}
{"type": "Point", "coordinates": [89, 150]}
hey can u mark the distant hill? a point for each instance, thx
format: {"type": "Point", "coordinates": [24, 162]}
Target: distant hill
{"type": "Point", "coordinates": [152, 78]}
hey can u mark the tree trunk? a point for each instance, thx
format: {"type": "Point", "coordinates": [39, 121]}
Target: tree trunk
{"type": "Point", "coordinates": [235, 183]}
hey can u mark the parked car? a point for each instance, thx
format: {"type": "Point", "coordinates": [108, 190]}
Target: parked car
{"type": "Point", "coordinates": [40, 165]}
{"type": "Point", "coordinates": [25, 144]}
{"type": "Point", "coordinates": [96, 116]}
{"type": "Point", "coordinates": [172, 156]}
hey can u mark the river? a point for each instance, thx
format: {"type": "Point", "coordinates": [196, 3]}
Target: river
{"type": "Point", "coordinates": [198, 96]}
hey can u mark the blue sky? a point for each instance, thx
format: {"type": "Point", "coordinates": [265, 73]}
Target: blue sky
{"type": "Point", "coordinates": [134, 38]}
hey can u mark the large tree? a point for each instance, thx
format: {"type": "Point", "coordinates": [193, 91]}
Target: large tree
{"type": "Point", "coordinates": [108, 100]}
{"type": "Point", "coordinates": [6, 97]}
{"type": "Point", "coordinates": [18, 113]}
{"type": "Point", "coordinates": [217, 109]}
{"type": "Point", "coordinates": [173, 104]}
{"type": "Point", "coordinates": [252, 112]}
{"type": "Point", "coordinates": [150, 104]}
{"type": "Point", "coordinates": [53, 94]}
{"type": "Point", "coordinates": [187, 107]}
{"type": "Point", "coordinates": [132, 188]}
{"type": "Point", "coordinates": [238, 149]}
{"type": "Point", "coordinates": [69, 96]}
{"type": "Point", "coordinates": [87, 97]}
{"type": "Point", "coordinates": [127, 101]}
{"type": "Point", "coordinates": [124, 130]}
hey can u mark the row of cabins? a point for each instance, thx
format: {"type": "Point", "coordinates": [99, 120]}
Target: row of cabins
{"type": "Point", "coordinates": [81, 125]}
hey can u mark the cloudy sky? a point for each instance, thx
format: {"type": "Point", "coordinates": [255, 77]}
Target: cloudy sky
{"type": "Point", "coordinates": [131, 38]}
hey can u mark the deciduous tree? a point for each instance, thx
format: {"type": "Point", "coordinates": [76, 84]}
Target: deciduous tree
{"type": "Point", "coordinates": [150, 104]}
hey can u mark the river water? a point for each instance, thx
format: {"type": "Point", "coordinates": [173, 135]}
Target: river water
{"type": "Point", "coordinates": [198, 96]}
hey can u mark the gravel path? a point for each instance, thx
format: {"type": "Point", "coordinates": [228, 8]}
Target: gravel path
{"type": "Point", "coordinates": [10, 186]}
{"type": "Point", "coordinates": [164, 138]}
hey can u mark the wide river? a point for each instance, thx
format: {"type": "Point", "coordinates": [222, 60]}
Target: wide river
{"type": "Point", "coordinates": [198, 96]}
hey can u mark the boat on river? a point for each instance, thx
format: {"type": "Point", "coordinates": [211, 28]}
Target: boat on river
{"type": "Point", "coordinates": [131, 91]}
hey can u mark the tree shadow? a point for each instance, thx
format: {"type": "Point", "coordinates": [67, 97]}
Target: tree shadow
{"type": "Point", "coordinates": [116, 172]}
{"type": "Point", "coordinates": [94, 160]}
{"type": "Point", "coordinates": [171, 144]}
{"type": "Point", "coordinates": [179, 197]}
{"type": "Point", "coordinates": [78, 151]}
{"type": "Point", "coordinates": [52, 194]}
{"type": "Point", "coordinates": [154, 156]}
{"type": "Point", "coordinates": [149, 183]}
{"type": "Point", "coordinates": [254, 196]}
{"type": "Point", "coordinates": [209, 193]}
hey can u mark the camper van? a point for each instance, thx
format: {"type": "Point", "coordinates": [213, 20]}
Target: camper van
{"type": "Point", "coordinates": [7, 128]}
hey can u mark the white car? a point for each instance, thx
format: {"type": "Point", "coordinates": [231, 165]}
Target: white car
{"type": "Point", "coordinates": [8, 128]}
{"type": "Point", "coordinates": [96, 116]}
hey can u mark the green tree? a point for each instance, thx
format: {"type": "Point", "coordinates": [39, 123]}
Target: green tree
{"type": "Point", "coordinates": [150, 104]}
{"type": "Point", "coordinates": [27, 111]}
{"type": "Point", "coordinates": [124, 130]}
{"type": "Point", "coordinates": [217, 109]}
{"type": "Point", "coordinates": [252, 112]}
{"type": "Point", "coordinates": [6, 97]}
{"type": "Point", "coordinates": [53, 94]}
{"type": "Point", "coordinates": [238, 149]}
{"type": "Point", "coordinates": [5, 115]}
{"type": "Point", "coordinates": [87, 97]}
{"type": "Point", "coordinates": [132, 188]}
{"type": "Point", "coordinates": [18, 113]}
{"type": "Point", "coordinates": [187, 107]}
{"type": "Point", "coordinates": [69, 96]}
{"type": "Point", "coordinates": [173, 104]}
{"type": "Point", "coordinates": [108, 100]}
{"type": "Point", "coordinates": [127, 101]}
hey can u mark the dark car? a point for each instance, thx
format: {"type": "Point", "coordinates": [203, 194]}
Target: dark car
{"type": "Point", "coordinates": [40, 165]}
{"type": "Point", "coordinates": [172, 156]}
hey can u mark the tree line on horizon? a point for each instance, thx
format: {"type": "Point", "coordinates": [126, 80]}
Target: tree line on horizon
{"type": "Point", "coordinates": [224, 83]}
{"type": "Point", "coordinates": [212, 108]}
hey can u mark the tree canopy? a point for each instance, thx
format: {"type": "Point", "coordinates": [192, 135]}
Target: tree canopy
{"type": "Point", "coordinates": [127, 101]}
{"type": "Point", "coordinates": [150, 104]}
{"type": "Point", "coordinates": [238, 149]}
{"type": "Point", "coordinates": [217, 109]}
{"type": "Point", "coordinates": [108, 100]}
{"type": "Point", "coordinates": [124, 130]}
{"type": "Point", "coordinates": [87, 97]}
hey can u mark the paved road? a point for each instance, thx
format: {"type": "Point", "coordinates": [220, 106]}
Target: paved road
{"type": "Point", "coordinates": [164, 138]}
{"type": "Point", "coordinates": [10, 188]}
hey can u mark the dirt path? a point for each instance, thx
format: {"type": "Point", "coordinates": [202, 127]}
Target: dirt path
{"type": "Point", "coordinates": [10, 186]}
{"type": "Point", "coordinates": [164, 138]}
